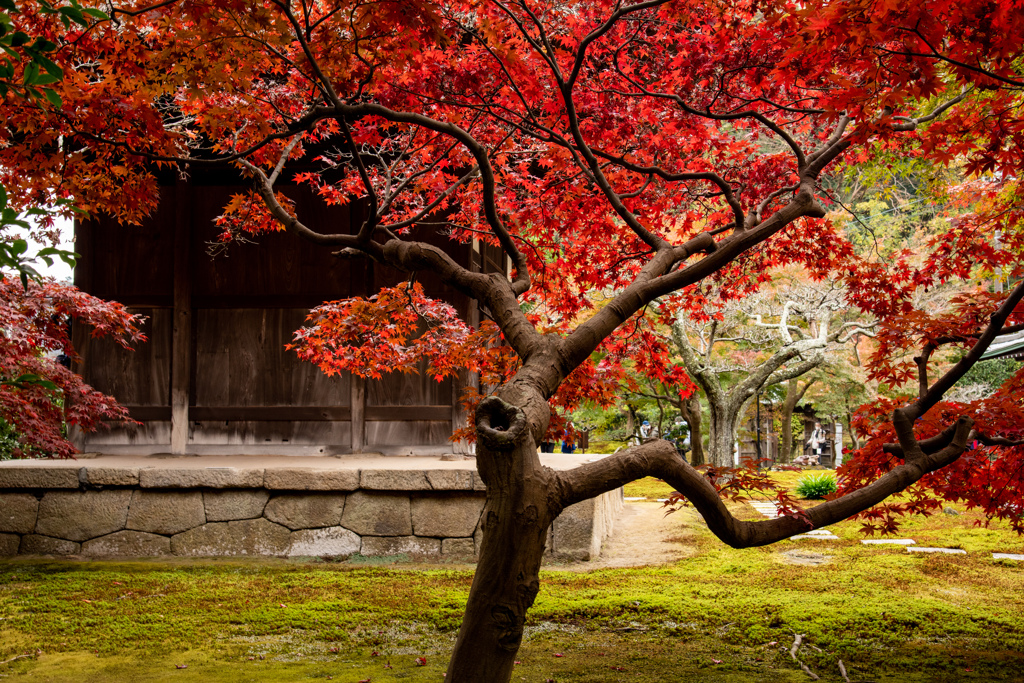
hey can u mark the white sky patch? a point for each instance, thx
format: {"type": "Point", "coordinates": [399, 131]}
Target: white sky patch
{"type": "Point", "coordinates": [59, 271]}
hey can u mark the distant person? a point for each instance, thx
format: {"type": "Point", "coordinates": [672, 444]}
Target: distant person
{"type": "Point", "coordinates": [568, 443]}
{"type": "Point", "coordinates": [679, 435]}
{"type": "Point", "coordinates": [816, 444]}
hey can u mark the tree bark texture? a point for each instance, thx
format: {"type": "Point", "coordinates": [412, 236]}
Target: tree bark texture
{"type": "Point", "coordinates": [722, 433]}
{"type": "Point", "coordinates": [516, 518]}
{"type": "Point", "coordinates": [691, 413]}
{"type": "Point", "coordinates": [794, 393]}
{"type": "Point", "coordinates": [854, 441]}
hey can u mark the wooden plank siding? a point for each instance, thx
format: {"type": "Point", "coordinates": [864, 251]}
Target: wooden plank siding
{"type": "Point", "coordinates": [215, 376]}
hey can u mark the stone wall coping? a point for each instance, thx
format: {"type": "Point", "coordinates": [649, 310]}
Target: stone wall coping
{"type": "Point", "coordinates": [311, 473]}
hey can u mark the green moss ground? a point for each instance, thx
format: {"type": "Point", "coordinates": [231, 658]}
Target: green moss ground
{"type": "Point", "coordinates": [721, 615]}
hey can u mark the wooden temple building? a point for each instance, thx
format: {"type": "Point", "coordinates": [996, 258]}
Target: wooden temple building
{"type": "Point", "coordinates": [214, 377]}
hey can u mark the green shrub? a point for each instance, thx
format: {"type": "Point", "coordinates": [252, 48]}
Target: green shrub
{"type": "Point", "coordinates": [816, 486]}
{"type": "Point", "coordinates": [8, 440]}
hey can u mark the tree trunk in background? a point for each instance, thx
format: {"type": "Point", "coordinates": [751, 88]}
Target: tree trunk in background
{"type": "Point", "coordinates": [854, 442]}
{"type": "Point", "coordinates": [786, 429]}
{"type": "Point", "coordinates": [722, 434]}
{"type": "Point", "coordinates": [793, 395]}
{"type": "Point", "coordinates": [691, 413]}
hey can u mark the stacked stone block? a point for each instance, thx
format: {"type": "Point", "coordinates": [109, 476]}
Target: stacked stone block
{"type": "Point", "coordinates": [196, 511]}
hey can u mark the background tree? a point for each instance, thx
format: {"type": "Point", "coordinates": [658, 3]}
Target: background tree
{"type": "Point", "coordinates": [834, 392]}
{"type": "Point", "coordinates": [653, 149]}
{"type": "Point", "coordinates": [40, 398]}
{"type": "Point", "coordinates": [761, 359]}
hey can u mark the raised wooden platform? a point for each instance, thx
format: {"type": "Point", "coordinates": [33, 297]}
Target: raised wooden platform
{"type": "Point", "coordinates": [105, 505]}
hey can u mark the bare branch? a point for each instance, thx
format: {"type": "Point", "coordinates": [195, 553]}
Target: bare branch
{"type": "Point", "coordinates": [656, 279]}
{"type": "Point", "coordinates": [366, 229]}
{"type": "Point", "coordinates": [581, 51]}
{"type": "Point", "coordinates": [909, 123]}
{"type": "Point", "coordinates": [473, 173]}
{"type": "Point", "coordinates": [660, 459]}
{"type": "Point", "coordinates": [726, 188]}
{"type": "Point", "coordinates": [324, 85]}
{"type": "Point", "coordinates": [922, 369]}
{"type": "Point", "coordinates": [265, 188]}
{"type": "Point", "coordinates": [949, 60]}
{"type": "Point", "coordinates": [943, 384]}
{"type": "Point", "coordinates": [479, 152]}
{"type": "Point", "coordinates": [763, 206]}
{"type": "Point", "coordinates": [637, 193]}
{"type": "Point", "coordinates": [285, 153]}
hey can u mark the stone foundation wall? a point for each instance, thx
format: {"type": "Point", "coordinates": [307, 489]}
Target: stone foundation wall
{"type": "Point", "coordinates": [106, 511]}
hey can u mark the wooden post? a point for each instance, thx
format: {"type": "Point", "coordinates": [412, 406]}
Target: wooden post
{"type": "Point", "coordinates": [80, 338]}
{"type": "Point", "coordinates": [460, 416]}
{"type": "Point", "coordinates": [357, 387]}
{"type": "Point", "coordinates": [181, 336]}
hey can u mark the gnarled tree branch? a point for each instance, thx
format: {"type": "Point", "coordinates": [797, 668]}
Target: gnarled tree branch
{"type": "Point", "coordinates": [660, 459]}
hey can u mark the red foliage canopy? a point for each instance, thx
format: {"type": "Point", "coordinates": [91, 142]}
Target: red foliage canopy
{"type": "Point", "coordinates": [671, 151]}
{"type": "Point", "coordinates": [38, 394]}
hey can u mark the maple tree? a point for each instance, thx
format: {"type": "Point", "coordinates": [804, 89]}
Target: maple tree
{"type": "Point", "coordinates": [654, 151]}
{"type": "Point", "coordinates": [40, 397]}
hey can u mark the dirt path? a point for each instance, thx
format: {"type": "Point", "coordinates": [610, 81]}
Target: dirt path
{"type": "Point", "coordinates": [644, 536]}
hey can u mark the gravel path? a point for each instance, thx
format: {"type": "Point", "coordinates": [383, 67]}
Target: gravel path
{"type": "Point", "coordinates": [644, 536]}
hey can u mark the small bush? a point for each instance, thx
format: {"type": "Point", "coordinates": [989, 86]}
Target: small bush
{"type": "Point", "coordinates": [8, 440]}
{"type": "Point", "coordinates": [816, 486]}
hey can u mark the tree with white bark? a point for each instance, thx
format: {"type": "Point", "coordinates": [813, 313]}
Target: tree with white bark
{"type": "Point", "coordinates": [787, 352]}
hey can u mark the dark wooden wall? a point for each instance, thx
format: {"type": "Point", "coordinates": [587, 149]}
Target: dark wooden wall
{"type": "Point", "coordinates": [214, 376]}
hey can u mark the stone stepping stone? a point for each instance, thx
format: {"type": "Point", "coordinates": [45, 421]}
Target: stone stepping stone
{"type": "Point", "coordinates": [1008, 556]}
{"type": "Point", "coordinates": [805, 558]}
{"type": "Point", "coordinates": [635, 498]}
{"type": "Point", "coordinates": [947, 551]}
{"type": "Point", "coordinates": [818, 535]}
{"type": "Point", "coordinates": [889, 541]}
{"type": "Point", "coordinates": [833, 537]}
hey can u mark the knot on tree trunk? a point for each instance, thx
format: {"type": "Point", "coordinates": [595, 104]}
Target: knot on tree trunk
{"type": "Point", "coordinates": [499, 425]}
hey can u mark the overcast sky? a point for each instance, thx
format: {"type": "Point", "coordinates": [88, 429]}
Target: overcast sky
{"type": "Point", "coordinates": [59, 270]}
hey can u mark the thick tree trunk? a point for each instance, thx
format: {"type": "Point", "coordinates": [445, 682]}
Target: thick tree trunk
{"type": "Point", "coordinates": [793, 395]}
{"type": "Point", "coordinates": [691, 413]}
{"type": "Point", "coordinates": [722, 434]}
{"type": "Point", "coordinates": [516, 518]}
